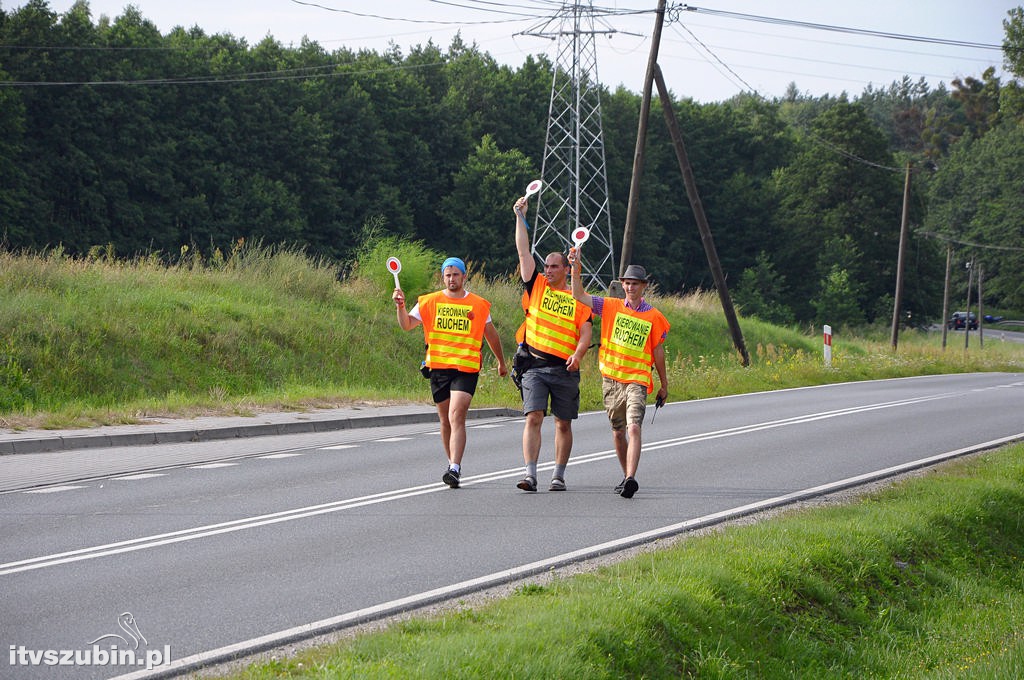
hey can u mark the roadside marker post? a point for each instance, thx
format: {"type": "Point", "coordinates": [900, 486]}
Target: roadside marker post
{"type": "Point", "coordinates": [828, 346]}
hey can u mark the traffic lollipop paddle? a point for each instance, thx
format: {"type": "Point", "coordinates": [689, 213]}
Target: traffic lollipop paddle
{"type": "Point", "coordinates": [580, 236]}
{"type": "Point", "coordinates": [531, 188]}
{"type": "Point", "coordinates": [395, 266]}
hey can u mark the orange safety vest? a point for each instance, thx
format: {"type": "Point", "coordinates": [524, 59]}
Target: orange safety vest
{"type": "Point", "coordinates": [453, 329]}
{"type": "Point", "coordinates": [554, 319]}
{"type": "Point", "coordinates": [628, 339]}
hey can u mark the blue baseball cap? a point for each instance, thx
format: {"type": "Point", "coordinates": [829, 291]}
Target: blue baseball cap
{"type": "Point", "coordinates": [454, 262]}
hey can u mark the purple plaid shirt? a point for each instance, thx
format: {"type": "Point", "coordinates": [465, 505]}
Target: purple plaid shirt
{"type": "Point", "coordinates": [599, 305]}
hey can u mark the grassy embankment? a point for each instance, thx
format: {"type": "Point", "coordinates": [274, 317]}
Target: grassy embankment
{"type": "Point", "coordinates": [103, 341]}
{"type": "Point", "coordinates": [921, 580]}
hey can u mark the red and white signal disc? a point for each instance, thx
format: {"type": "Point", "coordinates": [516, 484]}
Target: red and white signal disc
{"type": "Point", "coordinates": [580, 235]}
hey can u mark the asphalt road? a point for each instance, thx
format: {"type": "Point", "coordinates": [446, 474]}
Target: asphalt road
{"type": "Point", "coordinates": [286, 536]}
{"type": "Point", "coordinates": [984, 334]}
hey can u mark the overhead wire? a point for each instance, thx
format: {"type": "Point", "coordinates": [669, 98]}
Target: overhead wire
{"type": "Point", "coordinates": [495, 7]}
{"type": "Point", "coordinates": [969, 244]}
{"type": "Point", "coordinates": [368, 15]}
{"type": "Point", "coordinates": [439, 22]}
{"type": "Point", "coordinates": [810, 135]}
{"type": "Point", "coordinates": [324, 70]}
{"type": "Point", "coordinates": [841, 29]}
{"type": "Point", "coordinates": [845, 45]}
{"type": "Point", "coordinates": [831, 76]}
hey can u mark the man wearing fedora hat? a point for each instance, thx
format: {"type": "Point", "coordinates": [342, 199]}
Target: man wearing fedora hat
{"type": "Point", "coordinates": [632, 341]}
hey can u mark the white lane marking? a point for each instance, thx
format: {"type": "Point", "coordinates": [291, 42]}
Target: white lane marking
{"type": "Point", "coordinates": [211, 466]}
{"type": "Point", "coordinates": [141, 475]}
{"type": "Point", "coordinates": [337, 506]}
{"type": "Point", "coordinates": [489, 426]}
{"type": "Point", "coordinates": [504, 576]}
{"type": "Point", "coordinates": [54, 489]}
{"type": "Point", "coordinates": [145, 542]}
{"type": "Point", "coordinates": [393, 439]}
{"type": "Point", "coordinates": [338, 447]}
{"type": "Point", "coordinates": [796, 420]}
{"type": "Point", "coordinates": [276, 456]}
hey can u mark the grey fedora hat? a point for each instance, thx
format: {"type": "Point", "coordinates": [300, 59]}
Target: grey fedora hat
{"type": "Point", "coordinates": [634, 271]}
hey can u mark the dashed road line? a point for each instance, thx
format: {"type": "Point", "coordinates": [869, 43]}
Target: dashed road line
{"type": "Point", "coordinates": [54, 489]}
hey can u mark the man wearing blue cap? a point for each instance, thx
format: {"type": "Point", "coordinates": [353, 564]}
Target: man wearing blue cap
{"type": "Point", "coordinates": [455, 323]}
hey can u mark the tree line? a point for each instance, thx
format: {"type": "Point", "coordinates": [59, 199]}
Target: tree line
{"type": "Point", "coordinates": [115, 136]}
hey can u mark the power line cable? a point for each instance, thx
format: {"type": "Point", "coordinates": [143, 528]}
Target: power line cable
{"type": "Point", "coordinates": [810, 135]}
{"type": "Point", "coordinates": [969, 244]}
{"type": "Point", "coordinates": [842, 29]}
{"type": "Point", "coordinates": [438, 22]}
{"type": "Point", "coordinates": [489, 6]}
{"type": "Point", "coordinates": [253, 77]}
{"type": "Point", "coordinates": [832, 43]}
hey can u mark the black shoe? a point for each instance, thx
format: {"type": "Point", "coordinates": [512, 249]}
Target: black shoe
{"type": "Point", "coordinates": [620, 486]}
{"type": "Point", "coordinates": [451, 478]}
{"type": "Point", "coordinates": [629, 487]}
{"type": "Point", "coordinates": [527, 483]}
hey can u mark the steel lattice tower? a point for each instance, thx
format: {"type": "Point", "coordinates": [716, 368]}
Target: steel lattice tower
{"type": "Point", "coordinates": [573, 169]}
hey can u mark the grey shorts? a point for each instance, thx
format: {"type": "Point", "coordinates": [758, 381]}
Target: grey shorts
{"type": "Point", "coordinates": [554, 383]}
{"type": "Point", "coordinates": [625, 403]}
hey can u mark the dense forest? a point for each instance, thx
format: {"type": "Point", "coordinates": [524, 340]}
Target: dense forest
{"type": "Point", "coordinates": [117, 138]}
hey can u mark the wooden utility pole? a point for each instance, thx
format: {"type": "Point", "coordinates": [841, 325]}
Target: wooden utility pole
{"type": "Point", "coordinates": [897, 303]}
{"type": "Point", "coordinates": [945, 294]}
{"type": "Point", "coordinates": [698, 213]}
{"type": "Point", "coordinates": [967, 321]}
{"type": "Point", "coordinates": [981, 309]}
{"type": "Point", "coordinates": [615, 289]}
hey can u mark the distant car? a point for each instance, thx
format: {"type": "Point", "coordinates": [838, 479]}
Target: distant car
{"type": "Point", "coordinates": [960, 319]}
{"type": "Point", "coordinates": [992, 319]}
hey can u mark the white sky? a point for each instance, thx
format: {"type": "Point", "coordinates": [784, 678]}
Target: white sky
{"type": "Point", "coordinates": [761, 56]}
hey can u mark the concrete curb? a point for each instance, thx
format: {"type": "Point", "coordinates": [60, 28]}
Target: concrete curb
{"type": "Point", "coordinates": [90, 440]}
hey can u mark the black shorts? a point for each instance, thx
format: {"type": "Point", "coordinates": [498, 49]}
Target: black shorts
{"type": "Point", "coordinates": [443, 381]}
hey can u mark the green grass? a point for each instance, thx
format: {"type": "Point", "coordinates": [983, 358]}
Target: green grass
{"type": "Point", "coordinates": [920, 580]}
{"type": "Point", "coordinates": [101, 341]}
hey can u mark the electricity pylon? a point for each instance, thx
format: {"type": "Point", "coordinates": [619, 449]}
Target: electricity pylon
{"type": "Point", "coordinates": [573, 169]}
